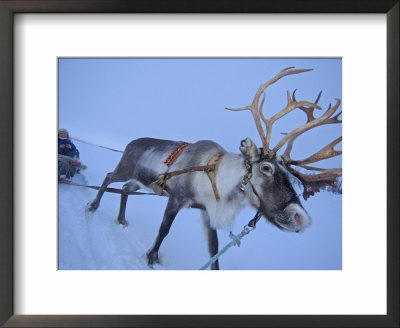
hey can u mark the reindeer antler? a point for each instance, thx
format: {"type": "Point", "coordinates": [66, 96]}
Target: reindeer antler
{"type": "Point", "coordinates": [256, 107]}
{"type": "Point", "coordinates": [311, 183]}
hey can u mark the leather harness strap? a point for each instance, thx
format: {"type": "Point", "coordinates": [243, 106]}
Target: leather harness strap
{"type": "Point", "coordinates": [210, 169]}
{"type": "Point", "coordinates": [215, 160]}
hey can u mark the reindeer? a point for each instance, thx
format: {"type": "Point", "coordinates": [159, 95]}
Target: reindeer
{"type": "Point", "coordinates": [205, 176]}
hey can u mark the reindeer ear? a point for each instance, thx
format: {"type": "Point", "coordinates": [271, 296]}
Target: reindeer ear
{"type": "Point", "coordinates": [250, 150]}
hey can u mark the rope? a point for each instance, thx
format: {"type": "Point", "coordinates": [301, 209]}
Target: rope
{"type": "Point", "coordinates": [112, 190]}
{"type": "Point", "coordinates": [90, 143]}
{"type": "Point", "coordinates": [235, 239]}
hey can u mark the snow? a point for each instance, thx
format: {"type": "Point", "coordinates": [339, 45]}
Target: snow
{"type": "Point", "coordinates": [93, 241]}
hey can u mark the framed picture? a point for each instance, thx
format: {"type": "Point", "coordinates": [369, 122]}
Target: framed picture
{"type": "Point", "coordinates": [67, 69]}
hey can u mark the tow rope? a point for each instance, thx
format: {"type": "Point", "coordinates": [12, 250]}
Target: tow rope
{"type": "Point", "coordinates": [100, 146]}
{"type": "Point", "coordinates": [112, 190]}
{"type": "Point", "coordinates": [249, 227]}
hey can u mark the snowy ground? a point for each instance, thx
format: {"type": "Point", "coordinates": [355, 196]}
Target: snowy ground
{"type": "Point", "coordinates": [93, 241]}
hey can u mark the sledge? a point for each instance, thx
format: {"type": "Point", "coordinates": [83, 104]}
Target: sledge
{"type": "Point", "coordinates": [69, 166]}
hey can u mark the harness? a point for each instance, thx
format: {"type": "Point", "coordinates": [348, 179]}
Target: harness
{"type": "Point", "coordinates": [211, 169]}
{"type": "Point", "coordinates": [212, 174]}
{"type": "Point", "coordinates": [245, 181]}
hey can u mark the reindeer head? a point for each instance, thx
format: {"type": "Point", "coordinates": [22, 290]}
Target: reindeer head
{"type": "Point", "coordinates": [271, 190]}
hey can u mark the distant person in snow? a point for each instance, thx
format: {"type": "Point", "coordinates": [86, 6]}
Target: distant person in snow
{"type": "Point", "coordinates": [65, 145]}
{"type": "Point", "coordinates": [67, 166]}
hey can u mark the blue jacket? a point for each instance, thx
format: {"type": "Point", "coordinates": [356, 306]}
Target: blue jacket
{"type": "Point", "coordinates": [67, 148]}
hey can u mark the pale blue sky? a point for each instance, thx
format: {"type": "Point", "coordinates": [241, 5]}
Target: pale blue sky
{"type": "Point", "coordinates": [118, 100]}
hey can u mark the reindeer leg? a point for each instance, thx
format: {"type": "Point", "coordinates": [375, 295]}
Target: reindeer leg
{"type": "Point", "coordinates": [121, 215]}
{"type": "Point", "coordinates": [96, 202]}
{"type": "Point", "coordinates": [120, 174]}
{"type": "Point", "coordinates": [212, 238]}
{"type": "Point", "coordinates": [128, 187]}
{"type": "Point", "coordinates": [170, 213]}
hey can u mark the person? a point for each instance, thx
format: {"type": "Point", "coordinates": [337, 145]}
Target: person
{"type": "Point", "coordinates": [65, 145]}
{"type": "Point", "coordinates": [66, 148]}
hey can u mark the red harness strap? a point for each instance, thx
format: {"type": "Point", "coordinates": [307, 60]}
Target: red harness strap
{"type": "Point", "coordinates": [175, 154]}
{"type": "Point", "coordinates": [161, 181]}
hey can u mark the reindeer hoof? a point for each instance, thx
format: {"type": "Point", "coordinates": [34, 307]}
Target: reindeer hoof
{"type": "Point", "coordinates": [152, 258]}
{"type": "Point", "coordinates": [92, 206]}
{"type": "Point", "coordinates": [215, 266]}
{"type": "Point", "coordinates": [123, 222]}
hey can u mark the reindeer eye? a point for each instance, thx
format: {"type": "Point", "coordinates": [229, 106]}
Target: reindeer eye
{"type": "Point", "coordinates": [267, 168]}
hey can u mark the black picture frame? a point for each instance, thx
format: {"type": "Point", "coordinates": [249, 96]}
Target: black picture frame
{"type": "Point", "coordinates": [10, 7]}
